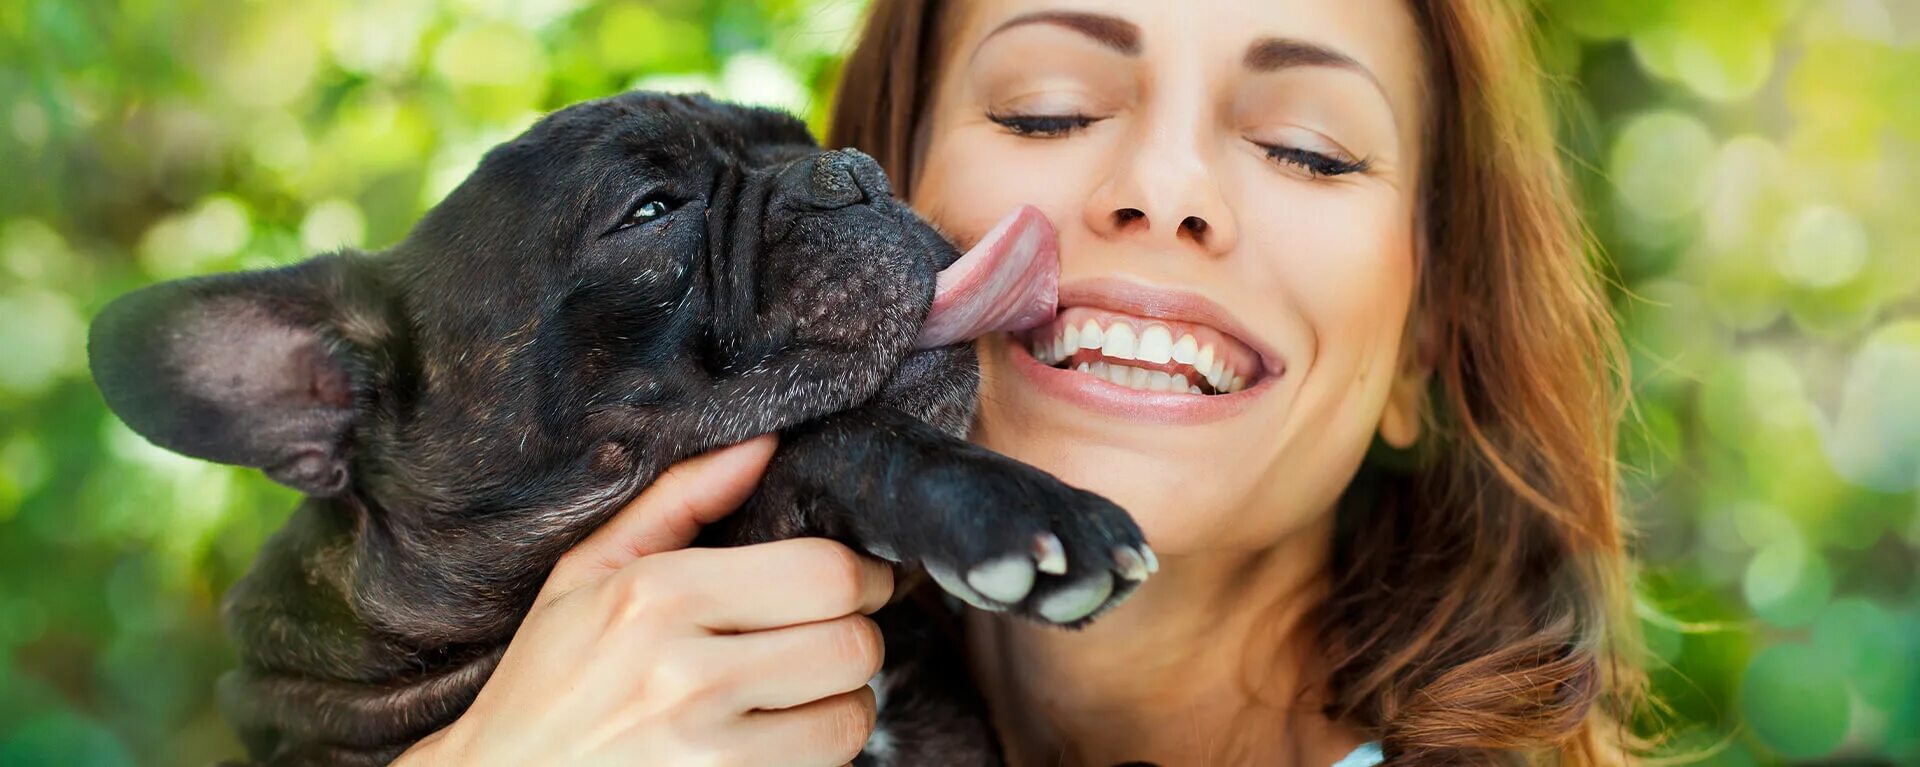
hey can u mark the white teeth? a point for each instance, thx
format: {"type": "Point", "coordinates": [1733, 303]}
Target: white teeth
{"type": "Point", "coordinates": [1137, 378]}
{"type": "Point", "coordinates": [1156, 345]}
{"type": "Point", "coordinates": [1119, 342]}
{"type": "Point", "coordinates": [1090, 335]}
{"type": "Point", "coordinates": [1185, 351]}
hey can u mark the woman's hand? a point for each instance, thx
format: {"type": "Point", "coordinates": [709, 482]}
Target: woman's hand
{"type": "Point", "coordinates": [641, 651]}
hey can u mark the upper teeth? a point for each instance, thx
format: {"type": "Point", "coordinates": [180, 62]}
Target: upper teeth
{"type": "Point", "coordinates": [1120, 343]}
{"type": "Point", "coordinates": [1156, 344]}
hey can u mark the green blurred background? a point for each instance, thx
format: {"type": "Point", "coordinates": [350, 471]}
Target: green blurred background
{"type": "Point", "coordinates": [1751, 169]}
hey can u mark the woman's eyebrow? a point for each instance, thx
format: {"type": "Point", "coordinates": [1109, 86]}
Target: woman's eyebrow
{"type": "Point", "coordinates": [1110, 31]}
{"type": "Point", "coordinates": [1273, 54]}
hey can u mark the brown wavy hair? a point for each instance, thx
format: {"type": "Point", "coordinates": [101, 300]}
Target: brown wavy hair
{"type": "Point", "coordinates": [1478, 613]}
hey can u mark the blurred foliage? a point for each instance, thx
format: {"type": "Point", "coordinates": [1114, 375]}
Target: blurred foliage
{"type": "Point", "coordinates": [1751, 169]}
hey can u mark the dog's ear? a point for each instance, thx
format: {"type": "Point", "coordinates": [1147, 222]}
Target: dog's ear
{"type": "Point", "coordinates": [248, 368]}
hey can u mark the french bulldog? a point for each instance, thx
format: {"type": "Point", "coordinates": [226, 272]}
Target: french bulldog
{"type": "Point", "coordinates": [632, 281]}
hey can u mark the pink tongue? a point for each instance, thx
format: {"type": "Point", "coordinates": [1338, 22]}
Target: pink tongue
{"type": "Point", "coordinates": [1009, 281]}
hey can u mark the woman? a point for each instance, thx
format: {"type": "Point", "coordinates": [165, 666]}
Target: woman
{"type": "Point", "coordinates": [1382, 491]}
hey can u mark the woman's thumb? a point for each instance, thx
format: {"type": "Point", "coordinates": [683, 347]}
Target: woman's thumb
{"type": "Point", "coordinates": [669, 513]}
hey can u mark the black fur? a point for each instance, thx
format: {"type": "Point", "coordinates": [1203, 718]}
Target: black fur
{"type": "Point", "coordinates": [465, 407]}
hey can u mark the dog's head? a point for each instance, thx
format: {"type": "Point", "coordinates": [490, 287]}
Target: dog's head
{"type": "Point", "coordinates": [645, 274]}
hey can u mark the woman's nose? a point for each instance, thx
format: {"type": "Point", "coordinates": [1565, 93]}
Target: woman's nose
{"type": "Point", "coordinates": [1164, 189]}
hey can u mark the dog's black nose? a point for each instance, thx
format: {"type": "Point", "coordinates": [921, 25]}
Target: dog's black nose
{"type": "Point", "coordinates": [845, 177]}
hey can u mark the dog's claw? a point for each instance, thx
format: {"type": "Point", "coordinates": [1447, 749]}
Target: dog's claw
{"type": "Point", "coordinates": [884, 552]}
{"type": "Point", "coordinates": [953, 584]}
{"type": "Point", "coordinates": [1078, 600]}
{"type": "Point", "coordinates": [1007, 579]}
{"type": "Point", "coordinates": [1049, 555]}
{"type": "Point", "coordinates": [1130, 564]}
{"type": "Point", "coordinates": [1153, 562]}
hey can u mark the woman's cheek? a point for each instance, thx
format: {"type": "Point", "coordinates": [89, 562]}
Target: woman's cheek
{"type": "Point", "coordinates": [968, 195]}
{"type": "Point", "coordinates": [1345, 259]}
{"type": "Point", "coordinates": [1345, 267]}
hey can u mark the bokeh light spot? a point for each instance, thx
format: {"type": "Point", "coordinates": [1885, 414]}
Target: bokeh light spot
{"type": "Point", "coordinates": [1822, 246]}
{"type": "Point", "coordinates": [1881, 656]}
{"type": "Point", "coordinates": [378, 38]}
{"type": "Point", "coordinates": [1660, 164]}
{"type": "Point", "coordinates": [32, 251]}
{"type": "Point", "coordinates": [1874, 439]}
{"type": "Point", "coordinates": [757, 78]}
{"type": "Point", "coordinates": [332, 224]}
{"type": "Point", "coordinates": [1795, 699]}
{"type": "Point", "coordinates": [1744, 176]}
{"type": "Point", "coordinates": [197, 240]}
{"type": "Point", "coordinates": [272, 57]}
{"type": "Point", "coordinates": [44, 338]}
{"type": "Point", "coordinates": [1727, 63]}
{"type": "Point", "coordinates": [30, 124]}
{"type": "Point", "coordinates": [1787, 583]}
{"type": "Point", "coordinates": [490, 54]}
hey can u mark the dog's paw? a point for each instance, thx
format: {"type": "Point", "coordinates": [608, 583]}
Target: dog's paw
{"type": "Point", "coordinates": [1004, 536]}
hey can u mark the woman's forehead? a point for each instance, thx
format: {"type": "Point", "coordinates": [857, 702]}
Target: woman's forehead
{"type": "Point", "coordinates": [1380, 38]}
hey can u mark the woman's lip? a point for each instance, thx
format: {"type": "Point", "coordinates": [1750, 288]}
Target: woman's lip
{"type": "Point", "coordinates": [1139, 300]}
{"type": "Point", "coordinates": [1099, 396]}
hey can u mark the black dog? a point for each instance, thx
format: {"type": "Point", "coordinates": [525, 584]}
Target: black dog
{"type": "Point", "coordinates": [631, 282]}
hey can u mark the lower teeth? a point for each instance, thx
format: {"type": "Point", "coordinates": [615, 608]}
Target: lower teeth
{"type": "Point", "coordinates": [1139, 379]}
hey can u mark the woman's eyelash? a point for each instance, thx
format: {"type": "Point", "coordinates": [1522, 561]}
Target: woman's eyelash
{"type": "Point", "coordinates": [1315, 163]}
{"type": "Point", "coordinates": [1047, 126]}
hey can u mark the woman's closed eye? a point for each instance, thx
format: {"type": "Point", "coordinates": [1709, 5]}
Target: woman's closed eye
{"type": "Point", "coordinates": [1042, 126]}
{"type": "Point", "coordinates": [1315, 164]}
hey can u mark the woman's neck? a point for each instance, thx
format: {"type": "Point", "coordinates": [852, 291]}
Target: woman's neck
{"type": "Point", "coordinates": [1208, 663]}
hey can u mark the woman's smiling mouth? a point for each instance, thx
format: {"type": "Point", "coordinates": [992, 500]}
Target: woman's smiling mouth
{"type": "Point", "coordinates": [1169, 356]}
{"type": "Point", "coordinates": [1142, 353]}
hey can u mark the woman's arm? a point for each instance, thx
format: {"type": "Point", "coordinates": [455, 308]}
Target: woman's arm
{"type": "Point", "coordinates": [641, 651]}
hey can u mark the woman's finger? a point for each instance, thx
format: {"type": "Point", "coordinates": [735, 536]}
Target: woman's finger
{"type": "Point", "coordinates": [750, 588]}
{"type": "Point", "coordinates": [840, 655]}
{"type": "Point", "coordinates": [669, 513]}
{"type": "Point", "coordinates": [829, 732]}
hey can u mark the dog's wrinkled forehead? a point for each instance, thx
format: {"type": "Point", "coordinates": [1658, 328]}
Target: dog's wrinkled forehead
{"type": "Point", "coordinates": [666, 129]}
{"type": "Point", "coordinates": [549, 184]}
{"type": "Point", "coordinates": [663, 136]}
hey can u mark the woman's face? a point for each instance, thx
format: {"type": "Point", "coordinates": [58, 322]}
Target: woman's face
{"type": "Point", "coordinates": [1234, 183]}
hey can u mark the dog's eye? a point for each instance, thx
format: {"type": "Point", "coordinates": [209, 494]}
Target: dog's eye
{"type": "Point", "coordinates": [647, 210]}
